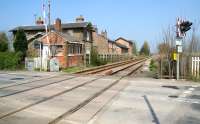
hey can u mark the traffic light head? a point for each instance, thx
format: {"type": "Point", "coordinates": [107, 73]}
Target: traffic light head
{"type": "Point", "coordinates": [185, 26]}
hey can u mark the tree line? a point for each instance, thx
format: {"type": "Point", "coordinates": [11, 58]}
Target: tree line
{"type": "Point", "coordinates": [13, 60]}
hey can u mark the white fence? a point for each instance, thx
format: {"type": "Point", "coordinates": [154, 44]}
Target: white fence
{"type": "Point", "coordinates": [195, 66]}
{"type": "Point", "coordinates": [35, 63]}
{"type": "Point", "coordinates": [114, 57]}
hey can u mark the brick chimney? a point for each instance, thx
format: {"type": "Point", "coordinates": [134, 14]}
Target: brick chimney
{"type": "Point", "coordinates": [80, 19]}
{"type": "Point", "coordinates": [104, 34]}
{"type": "Point", "coordinates": [58, 25]}
{"type": "Point", "coordinates": [39, 21]}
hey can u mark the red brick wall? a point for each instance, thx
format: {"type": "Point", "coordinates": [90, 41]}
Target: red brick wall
{"type": "Point", "coordinates": [62, 61]}
{"type": "Point", "coordinates": [75, 60]}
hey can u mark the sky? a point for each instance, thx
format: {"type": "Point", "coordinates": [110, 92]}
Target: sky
{"type": "Point", "coordinates": [137, 20]}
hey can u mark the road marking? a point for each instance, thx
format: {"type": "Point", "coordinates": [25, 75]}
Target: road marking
{"type": "Point", "coordinates": [187, 100]}
{"type": "Point", "coordinates": [187, 92]}
{"type": "Point", "coordinates": [191, 89]}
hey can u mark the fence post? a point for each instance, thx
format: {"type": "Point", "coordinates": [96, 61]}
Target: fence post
{"type": "Point", "coordinates": [192, 71]}
{"type": "Point", "coordinates": [197, 67]}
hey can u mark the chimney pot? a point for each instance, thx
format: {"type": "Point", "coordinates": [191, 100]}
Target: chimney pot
{"type": "Point", "coordinates": [58, 25]}
{"type": "Point", "coordinates": [80, 19]}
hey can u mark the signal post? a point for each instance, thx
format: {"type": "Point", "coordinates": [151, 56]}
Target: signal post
{"type": "Point", "coordinates": [182, 27]}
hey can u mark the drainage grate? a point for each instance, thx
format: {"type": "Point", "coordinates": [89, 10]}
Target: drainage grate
{"type": "Point", "coordinates": [172, 87]}
{"type": "Point", "coordinates": [17, 79]}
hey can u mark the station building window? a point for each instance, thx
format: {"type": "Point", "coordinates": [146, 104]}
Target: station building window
{"type": "Point", "coordinates": [75, 48]}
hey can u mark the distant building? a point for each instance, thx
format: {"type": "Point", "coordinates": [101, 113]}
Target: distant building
{"type": "Point", "coordinates": [100, 42]}
{"type": "Point", "coordinates": [113, 48]}
{"type": "Point", "coordinates": [126, 45]}
{"type": "Point", "coordinates": [78, 37]}
{"type": "Point", "coordinates": [71, 43]}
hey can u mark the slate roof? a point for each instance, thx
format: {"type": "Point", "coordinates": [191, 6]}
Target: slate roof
{"type": "Point", "coordinates": [67, 37]}
{"type": "Point", "coordinates": [42, 27]}
{"type": "Point", "coordinates": [129, 41]}
{"type": "Point", "coordinates": [121, 46]}
{"type": "Point", "coordinates": [111, 41]}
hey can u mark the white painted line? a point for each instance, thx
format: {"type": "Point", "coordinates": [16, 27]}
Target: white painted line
{"type": "Point", "coordinates": [183, 95]}
{"type": "Point", "coordinates": [185, 100]}
{"type": "Point", "coordinates": [196, 102]}
{"type": "Point", "coordinates": [188, 92]}
{"type": "Point", "coordinates": [191, 89]}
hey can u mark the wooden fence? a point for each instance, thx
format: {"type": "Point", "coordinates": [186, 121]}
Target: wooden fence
{"type": "Point", "coordinates": [195, 66]}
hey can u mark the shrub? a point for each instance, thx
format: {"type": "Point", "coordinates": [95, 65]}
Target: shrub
{"type": "Point", "coordinates": [20, 42]}
{"type": "Point", "coordinates": [95, 60]}
{"type": "Point", "coordinates": [9, 60]}
{"type": "Point", "coordinates": [153, 66]}
{"type": "Point", "coordinates": [3, 42]}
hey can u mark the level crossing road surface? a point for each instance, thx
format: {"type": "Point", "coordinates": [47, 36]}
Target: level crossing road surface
{"type": "Point", "coordinates": [44, 97]}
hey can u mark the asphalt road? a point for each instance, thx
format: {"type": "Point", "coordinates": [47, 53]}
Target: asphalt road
{"type": "Point", "coordinates": [134, 100]}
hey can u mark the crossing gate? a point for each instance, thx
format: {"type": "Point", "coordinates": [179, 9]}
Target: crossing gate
{"type": "Point", "coordinates": [195, 66]}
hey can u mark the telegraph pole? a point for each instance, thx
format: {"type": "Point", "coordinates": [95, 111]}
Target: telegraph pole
{"type": "Point", "coordinates": [49, 14]}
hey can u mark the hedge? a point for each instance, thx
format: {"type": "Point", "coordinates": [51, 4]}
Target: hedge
{"type": "Point", "coordinates": [9, 60]}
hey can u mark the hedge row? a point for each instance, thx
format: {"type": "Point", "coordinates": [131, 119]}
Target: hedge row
{"type": "Point", "coordinates": [9, 60]}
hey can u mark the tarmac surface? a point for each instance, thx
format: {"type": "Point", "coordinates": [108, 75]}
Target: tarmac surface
{"type": "Point", "coordinates": [42, 98]}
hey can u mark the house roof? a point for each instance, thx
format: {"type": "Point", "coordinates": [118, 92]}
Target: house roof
{"type": "Point", "coordinates": [39, 34]}
{"type": "Point", "coordinates": [121, 46]}
{"type": "Point", "coordinates": [42, 27]}
{"type": "Point", "coordinates": [111, 41]}
{"type": "Point", "coordinates": [67, 37]}
{"type": "Point", "coordinates": [129, 41]}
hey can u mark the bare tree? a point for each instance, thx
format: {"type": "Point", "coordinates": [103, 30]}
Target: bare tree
{"type": "Point", "coordinates": [191, 47]}
{"type": "Point", "coordinates": [166, 48]}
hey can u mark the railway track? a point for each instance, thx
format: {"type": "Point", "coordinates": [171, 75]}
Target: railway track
{"type": "Point", "coordinates": [85, 102]}
{"type": "Point", "coordinates": [28, 88]}
{"type": "Point", "coordinates": [81, 104]}
{"type": "Point", "coordinates": [28, 82]}
{"type": "Point", "coordinates": [47, 98]}
{"type": "Point", "coordinates": [129, 69]}
{"type": "Point", "coordinates": [107, 67]}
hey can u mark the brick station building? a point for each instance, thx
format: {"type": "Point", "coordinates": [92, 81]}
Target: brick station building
{"type": "Point", "coordinates": [69, 42]}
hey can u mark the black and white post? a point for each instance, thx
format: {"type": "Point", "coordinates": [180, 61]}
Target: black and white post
{"type": "Point", "coordinates": [182, 27]}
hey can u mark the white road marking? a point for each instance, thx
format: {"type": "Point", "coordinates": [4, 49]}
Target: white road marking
{"type": "Point", "coordinates": [195, 86]}
{"type": "Point", "coordinates": [186, 100]}
{"type": "Point", "coordinates": [191, 89]}
{"type": "Point", "coordinates": [187, 92]}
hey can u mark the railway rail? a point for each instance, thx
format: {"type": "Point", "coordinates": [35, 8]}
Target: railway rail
{"type": "Point", "coordinates": [107, 67]}
{"type": "Point", "coordinates": [127, 65]}
{"type": "Point", "coordinates": [28, 82]}
{"type": "Point", "coordinates": [28, 85]}
{"type": "Point", "coordinates": [85, 102]}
